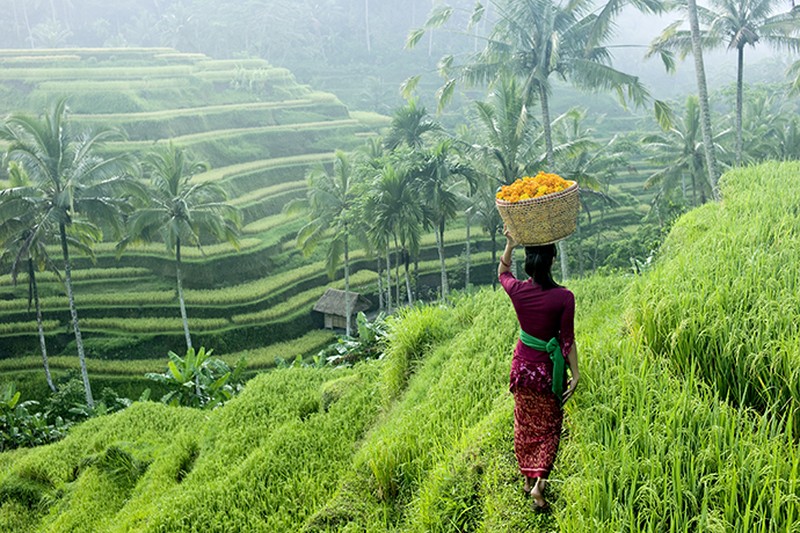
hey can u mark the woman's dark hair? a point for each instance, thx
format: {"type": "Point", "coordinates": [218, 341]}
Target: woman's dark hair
{"type": "Point", "coordinates": [538, 260]}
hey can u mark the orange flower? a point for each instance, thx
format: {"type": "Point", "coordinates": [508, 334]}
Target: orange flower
{"type": "Point", "coordinates": [533, 187]}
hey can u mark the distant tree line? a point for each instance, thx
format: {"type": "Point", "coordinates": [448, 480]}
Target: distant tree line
{"type": "Point", "coordinates": [281, 31]}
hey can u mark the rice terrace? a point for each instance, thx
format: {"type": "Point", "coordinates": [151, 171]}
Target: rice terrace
{"type": "Point", "coordinates": [253, 275]}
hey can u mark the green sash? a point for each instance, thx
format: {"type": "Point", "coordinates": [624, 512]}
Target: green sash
{"type": "Point", "coordinates": [554, 350]}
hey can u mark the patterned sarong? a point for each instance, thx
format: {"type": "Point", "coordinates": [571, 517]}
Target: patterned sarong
{"type": "Point", "coordinates": [537, 430]}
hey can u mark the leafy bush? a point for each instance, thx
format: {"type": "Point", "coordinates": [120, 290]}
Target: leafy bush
{"type": "Point", "coordinates": [19, 428]}
{"type": "Point", "coordinates": [368, 345]}
{"type": "Point", "coordinates": [198, 380]}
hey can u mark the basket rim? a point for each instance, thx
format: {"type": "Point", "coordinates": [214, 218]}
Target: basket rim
{"type": "Point", "coordinates": [533, 201]}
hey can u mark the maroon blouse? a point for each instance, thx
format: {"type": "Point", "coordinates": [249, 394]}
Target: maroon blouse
{"type": "Point", "coordinates": [544, 314]}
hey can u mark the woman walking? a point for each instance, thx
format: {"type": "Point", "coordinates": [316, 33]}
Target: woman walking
{"type": "Point", "coordinates": [546, 312]}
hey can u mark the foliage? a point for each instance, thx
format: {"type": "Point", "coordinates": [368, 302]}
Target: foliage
{"type": "Point", "coordinates": [651, 444]}
{"type": "Point", "coordinates": [718, 300]}
{"type": "Point", "coordinates": [20, 428]}
{"type": "Point", "coordinates": [198, 380]}
{"type": "Point", "coordinates": [367, 345]}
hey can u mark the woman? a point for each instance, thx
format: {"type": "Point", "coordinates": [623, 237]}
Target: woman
{"type": "Point", "coordinates": [545, 311]}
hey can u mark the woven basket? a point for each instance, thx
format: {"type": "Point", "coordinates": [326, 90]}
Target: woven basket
{"type": "Point", "coordinates": [542, 220]}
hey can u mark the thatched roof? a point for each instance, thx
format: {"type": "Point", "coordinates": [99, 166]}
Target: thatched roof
{"type": "Point", "coordinates": [333, 303]}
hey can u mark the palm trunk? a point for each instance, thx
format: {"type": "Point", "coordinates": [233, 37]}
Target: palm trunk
{"type": "Point", "coordinates": [580, 248]}
{"type": "Point", "coordinates": [548, 130]}
{"type": "Point", "coordinates": [466, 252]}
{"type": "Point", "coordinates": [562, 254]}
{"type": "Point", "coordinates": [16, 19]}
{"type": "Point", "coordinates": [388, 281]}
{"type": "Point", "coordinates": [494, 257]}
{"type": "Point", "coordinates": [397, 271]}
{"type": "Point", "coordinates": [416, 276]}
{"type": "Point", "coordinates": [440, 248]}
{"type": "Point", "coordinates": [739, 88]}
{"type": "Point", "coordinates": [705, 110]}
{"type": "Point", "coordinates": [37, 307]}
{"type": "Point", "coordinates": [551, 163]}
{"type": "Point", "coordinates": [74, 314]}
{"type": "Point", "coordinates": [347, 284]}
{"type": "Point", "coordinates": [27, 23]}
{"type": "Point", "coordinates": [366, 24]}
{"type": "Point", "coordinates": [406, 261]}
{"type": "Point", "coordinates": [180, 293]}
{"type": "Point", "coordinates": [380, 283]}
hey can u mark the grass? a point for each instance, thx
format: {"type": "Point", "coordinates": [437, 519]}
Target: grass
{"type": "Point", "coordinates": [257, 358]}
{"type": "Point", "coordinates": [231, 171]}
{"type": "Point", "coordinates": [94, 73]}
{"type": "Point", "coordinates": [421, 440]}
{"type": "Point", "coordinates": [723, 298]}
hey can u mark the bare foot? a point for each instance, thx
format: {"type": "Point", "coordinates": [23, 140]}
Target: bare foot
{"type": "Point", "coordinates": [539, 503]}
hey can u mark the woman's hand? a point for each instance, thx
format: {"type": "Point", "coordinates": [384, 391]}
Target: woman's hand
{"type": "Point", "coordinates": [571, 385]}
{"type": "Point", "coordinates": [510, 242]}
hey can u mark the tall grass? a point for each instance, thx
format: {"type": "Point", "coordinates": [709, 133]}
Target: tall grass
{"type": "Point", "coordinates": [722, 299]}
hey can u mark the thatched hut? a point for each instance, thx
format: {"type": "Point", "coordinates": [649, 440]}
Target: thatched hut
{"type": "Point", "coordinates": [332, 305]}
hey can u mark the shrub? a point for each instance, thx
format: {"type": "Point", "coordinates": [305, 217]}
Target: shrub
{"type": "Point", "coordinates": [197, 380]}
{"type": "Point", "coordinates": [19, 428]}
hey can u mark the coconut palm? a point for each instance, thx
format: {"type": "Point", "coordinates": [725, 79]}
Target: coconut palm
{"type": "Point", "coordinates": [331, 206]}
{"type": "Point", "coordinates": [771, 129]}
{"type": "Point", "coordinates": [369, 161]}
{"type": "Point", "coordinates": [737, 24]}
{"type": "Point", "coordinates": [582, 158]}
{"type": "Point", "coordinates": [180, 212]}
{"type": "Point", "coordinates": [397, 214]}
{"type": "Point", "coordinates": [794, 78]}
{"type": "Point", "coordinates": [438, 176]}
{"type": "Point", "coordinates": [409, 127]}
{"type": "Point", "coordinates": [22, 239]}
{"type": "Point", "coordinates": [679, 156]}
{"type": "Point", "coordinates": [537, 40]}
{"type": "Point", "coordinates": [486, 214]}
{"type": "Point", "coordinates": [83, 191]}
{"type": "Point", "coordinates": [507, 130]}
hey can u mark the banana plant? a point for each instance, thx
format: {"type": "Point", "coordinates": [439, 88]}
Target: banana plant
{"type": "Point", "coordinates": [198, 380]}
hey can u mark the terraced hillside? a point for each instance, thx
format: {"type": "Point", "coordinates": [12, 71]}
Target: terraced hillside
{"type": "Point", "coordinates": [260, 131]}
{"type": "Point", "coordinates": [685, 419]}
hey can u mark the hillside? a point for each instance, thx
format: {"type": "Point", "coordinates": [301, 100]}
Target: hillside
{"type": "Point", "coordinates": [684, 420]}
{"type": "Point", "coordinates": [261, 131]}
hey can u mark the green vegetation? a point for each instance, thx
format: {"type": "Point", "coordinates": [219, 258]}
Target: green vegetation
{"type": "Point", "coordinates": [723, 301]}
{"type": "Point", "coordinates": [421, 439]}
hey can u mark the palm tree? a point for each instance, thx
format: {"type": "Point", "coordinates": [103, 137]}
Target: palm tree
{"type": "Point", "coordinates": [409, 127]}
{"type": "Point", "coordinates": [771, 129]}
{"type": "Point", "coordinates": [79, 187]}
{"type": "Point", "coordinates": [794, 78]}
{"type": "Point", "coordinates": [330, 203]}
{"type": "Point", "coordinates": [180, 212]}
{"type": "Point", "coordinates": [438, 177]}
{"type": "Point", "coordinates": [737, 23]}
{"type": "Point", "coordinates": [679, 156]}
{"type": "Point", "coordinates": [507, 128]}
{"type": "Point", "coordinates": [22, 237]}
{"type": "Point", "coordinates": [590, 163]}
{"type": "Point", "coordinates": [536, 40]}
{"type": "Point", "coordinates": [397, 214]}
{"type": "Point", "coordinates": [484, 210]}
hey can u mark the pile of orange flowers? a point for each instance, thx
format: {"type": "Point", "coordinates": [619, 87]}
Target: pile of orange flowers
{"type": "Point", "coordinates": [528, 187]}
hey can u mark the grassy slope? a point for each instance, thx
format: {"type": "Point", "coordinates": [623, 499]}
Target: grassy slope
{"type": "Point", "coordinates": [422, 441]}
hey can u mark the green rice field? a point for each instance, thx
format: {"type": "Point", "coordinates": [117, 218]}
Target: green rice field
{"type": "Point", "coordinates": [685, 419]}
